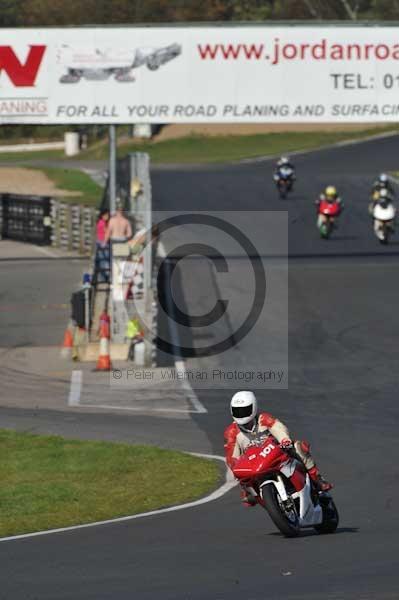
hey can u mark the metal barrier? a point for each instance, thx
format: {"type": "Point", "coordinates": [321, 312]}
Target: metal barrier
{"type": "Point", "coordinates": [26, 218]}
{"type": "Point", "coordinates": [134, 192]}
{"type": "Point", "coordinates": [73, 227]}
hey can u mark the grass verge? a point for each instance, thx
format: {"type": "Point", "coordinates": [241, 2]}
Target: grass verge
{"type": "Point", "coordinates": [49, 482]}
{"type": "Point", "coordinates": [73, 180]}
{"type": "Point", "coordinates": [207, 149]}
{"type": "Point", "coordinates": [22, 157]}
{"type": "Point", "coordinates": [202, 149]}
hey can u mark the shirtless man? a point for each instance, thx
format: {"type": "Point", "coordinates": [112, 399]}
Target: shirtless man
{"type": "Point", "coordinates": [119, 228]}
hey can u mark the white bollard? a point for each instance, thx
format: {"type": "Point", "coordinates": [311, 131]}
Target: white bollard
{"type": "Point", "coordinates": [71, 141]}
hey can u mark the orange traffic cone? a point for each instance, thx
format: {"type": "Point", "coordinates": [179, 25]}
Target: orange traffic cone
{"type": "Point", "coordinates": [105, 324]}
{"type": "Point", "coordinates": [67, 345]}
{"type": "Point", "coordinates": [104, 359]}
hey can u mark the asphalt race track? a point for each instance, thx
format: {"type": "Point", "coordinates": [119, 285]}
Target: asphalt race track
{"type": "Point", "coordinates": [343, 325]}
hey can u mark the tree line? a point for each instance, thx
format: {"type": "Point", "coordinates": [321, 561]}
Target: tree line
{"type": "Point", "coordinates": [36, 13]}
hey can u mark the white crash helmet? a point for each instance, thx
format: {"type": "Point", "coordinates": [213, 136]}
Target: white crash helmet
{"type": "Point", "coordinates": [284, 160]}
{"type": "Point", "coordinates": [383, 178]}
{"type": "Point", "coordinates": [243, 407]}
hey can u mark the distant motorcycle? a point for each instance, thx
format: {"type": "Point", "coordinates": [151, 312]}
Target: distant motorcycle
{"type": "Point", "coordinates": [279, 482]}
{"type": "Point", "coordinates": [284, 181]}
{"type": "Point", "coordinates": [383, 220]}
{"type": "Point", "coordinates": [330, 211]}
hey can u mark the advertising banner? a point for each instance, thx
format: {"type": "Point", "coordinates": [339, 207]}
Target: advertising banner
{"type": "Point", "coordinates": [199, 74]}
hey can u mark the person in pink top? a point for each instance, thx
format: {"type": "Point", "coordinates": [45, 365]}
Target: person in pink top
{"type": "Point", "coordinates": [102, 225]}
{"type": "Point", "coordinates": [102, 246]}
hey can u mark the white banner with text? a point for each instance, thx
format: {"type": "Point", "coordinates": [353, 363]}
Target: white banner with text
{"type": "Point", "coordinates": [199, 74]}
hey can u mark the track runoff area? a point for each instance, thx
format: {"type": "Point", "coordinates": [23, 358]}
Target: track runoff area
{"type": "Point", "coordinates": [356, 72]}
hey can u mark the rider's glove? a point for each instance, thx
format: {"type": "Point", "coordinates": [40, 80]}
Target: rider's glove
{"type": "Point", "coordinates": [286, 444]}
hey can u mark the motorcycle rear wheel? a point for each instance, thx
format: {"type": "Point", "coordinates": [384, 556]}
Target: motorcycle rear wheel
{"type": "Point", "coordinates": [273, 505]}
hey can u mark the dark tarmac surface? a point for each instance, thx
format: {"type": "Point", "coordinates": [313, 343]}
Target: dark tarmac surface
{"type": "Point", "coordinates": [342, 396]}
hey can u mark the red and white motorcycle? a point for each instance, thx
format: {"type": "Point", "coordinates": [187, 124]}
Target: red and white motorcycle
{"type": "Point", "coordinates": [278, 481]}
{"type": "Point", "coordinates": [328, 212]}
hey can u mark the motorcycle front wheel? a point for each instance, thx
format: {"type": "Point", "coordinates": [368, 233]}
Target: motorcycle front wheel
{"type": "Point", "coordinates": [384, 238]}
{"type": "Point", "coordinates": [330, 517]}
{"type": "Point", "coordinates": [325, 230]}
{"type": "Point", "coordinates": [285, 520]}
{"type": "Point", "coordinates": [282, 190]}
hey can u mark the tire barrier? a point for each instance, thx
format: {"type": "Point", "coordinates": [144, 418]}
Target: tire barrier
{"type": "Point", "coordinates": [26, 218]}
{"type": "Point", "coordinates": [45, 221]}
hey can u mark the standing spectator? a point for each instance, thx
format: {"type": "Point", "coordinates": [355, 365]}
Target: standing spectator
{"type": "Point", "coordinates": [102, 226]}
{"type": "Point", "coordinates": [119, 228]}
{"type": "Point", "coordinates": [102, 247]}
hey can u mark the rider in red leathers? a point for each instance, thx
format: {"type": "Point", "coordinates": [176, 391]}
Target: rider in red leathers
{"type": "Point", "coordinates": [249, 428]}
{"type": "Point", "coordinates": [330, 195]}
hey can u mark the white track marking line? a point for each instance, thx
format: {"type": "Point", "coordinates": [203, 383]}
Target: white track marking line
{"type": "Point", "coordinates": [180, 365]}
{"type": "Point", "coordinates": [139, 408]}
{"type": "Point", "coordinates": [75, 389]}
{"type": "Point", "coordinates": [161, 250]}
{"type": "Point", "coordinates": [352, 142]}
{"type": "Point", "coordinates": [46, 252]}
{"type": "Point", "coordinates": [221, 491]}
{"type": "Point", "coordinates": [192, 397]}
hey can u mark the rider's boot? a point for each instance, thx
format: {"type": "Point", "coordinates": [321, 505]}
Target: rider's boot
{"type": "Point", "coordinates": [320, 483]}
{"type": "Point", "coordinates": [246, 498]}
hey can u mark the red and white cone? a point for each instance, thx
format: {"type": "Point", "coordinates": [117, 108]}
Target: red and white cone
{"type": "Point", "coordinates": [104, 359]}
{"type": "Point", "coordinates": [66, 351]}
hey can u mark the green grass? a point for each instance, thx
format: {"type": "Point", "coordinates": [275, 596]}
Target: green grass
{"type": "Point", "coordinates": [49, 482]}
{"type": "Point", "coordinates": [202, 149]}
{"type": "Point", "coordinates": [18, 157]}
{"type": "Point", "coordinates": [73, 180]}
